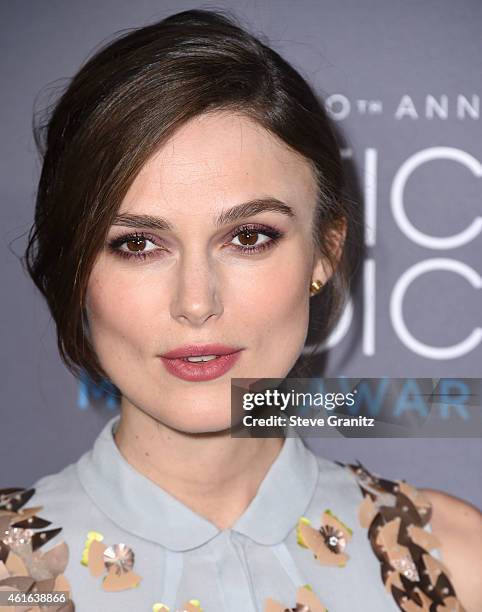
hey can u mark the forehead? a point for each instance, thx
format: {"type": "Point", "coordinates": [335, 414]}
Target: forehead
{"type": "Point", "coordinates": [216, 159]}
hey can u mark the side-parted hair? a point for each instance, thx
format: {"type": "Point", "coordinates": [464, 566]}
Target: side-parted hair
{"type": "Point", "coordinates": [122, 105]}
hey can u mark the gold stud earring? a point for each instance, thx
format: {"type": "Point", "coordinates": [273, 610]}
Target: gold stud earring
{"type": "Point", "coordinates": [315, 287]}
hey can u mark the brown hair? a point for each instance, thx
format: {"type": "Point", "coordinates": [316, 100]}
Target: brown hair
{"type": "Point", "coordinates": [121, 106]}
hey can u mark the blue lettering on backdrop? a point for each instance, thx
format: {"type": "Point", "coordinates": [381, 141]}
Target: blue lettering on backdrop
{"type": "Point", "coordinates": [448, 401]}
{"type": "Point", "coordinates": [449, 395]}
{"type": "Point", "coordinates": [88, 391]}
{"type": "Point", "coordinates": [365, 397]}
{"type": "Point", "coordinates": [369, 398]}
{"type": "Point", "coordinates": [411, 398]}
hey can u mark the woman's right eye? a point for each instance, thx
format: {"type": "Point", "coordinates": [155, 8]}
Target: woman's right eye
{"type": "Point", "coordinates": [134, 246]}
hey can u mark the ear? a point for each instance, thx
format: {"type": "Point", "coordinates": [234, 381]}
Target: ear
{"type": "Point", "coordinates": [322, 267]}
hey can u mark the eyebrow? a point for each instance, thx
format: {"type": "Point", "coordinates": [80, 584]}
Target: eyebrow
{"type": "Point", "coordinates": [241, 211]}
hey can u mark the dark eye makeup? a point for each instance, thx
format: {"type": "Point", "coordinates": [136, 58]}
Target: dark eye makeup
{"type": "Point", "coordinates": [140, 238]}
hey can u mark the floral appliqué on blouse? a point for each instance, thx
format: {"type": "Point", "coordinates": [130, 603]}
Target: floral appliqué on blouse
{"type": "Point", "coordinates": [114, 562]}
{"type": "Point", "coordinates": [328, 543]}
{"type": "Point", "coordinates": [395, 515]}
{"type": "Point", "coordinates": [24, 568]}
{"type": "Point", "coordinates": [306, 601]}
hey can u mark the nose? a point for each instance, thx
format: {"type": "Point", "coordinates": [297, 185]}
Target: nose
{"type": "Point", "coordinates": [196, 296]}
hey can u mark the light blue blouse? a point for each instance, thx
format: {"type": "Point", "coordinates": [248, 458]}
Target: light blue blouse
{"type": "Point", "coordinates": [181, 556]}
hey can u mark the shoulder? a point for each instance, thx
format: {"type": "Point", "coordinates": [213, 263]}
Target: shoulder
{"type": "Point", "coordinates": [58, 486]}
{"type": "Point", "coordinates": [458, 526]}
{"type": "Point", "coordinates": [58, 498]}
{"type": "Point", "coordinates": [29, 519]}
{"type": "Point", "coordinates": [58, 493]}
{"type": "Point", "coordinates": [453, 513]}
{"type": "Point", "coordinates": [394, 513]}
{"type": "Point", "coordinates": [65, 481]}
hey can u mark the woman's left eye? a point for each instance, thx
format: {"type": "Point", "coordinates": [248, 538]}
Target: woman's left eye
{"type": "Point", "coordinates": [248, 238]}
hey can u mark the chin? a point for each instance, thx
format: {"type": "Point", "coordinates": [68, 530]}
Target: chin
{"type": "Point", "coordinates": [202, 423]}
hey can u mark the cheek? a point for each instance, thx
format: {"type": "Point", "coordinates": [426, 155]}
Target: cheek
{"type": "Point", "coordinates": [122, 314]}
{"type": "Point", "coordinates": [287, 312]}
{"type": "Point", "coordinates": [273, 304]}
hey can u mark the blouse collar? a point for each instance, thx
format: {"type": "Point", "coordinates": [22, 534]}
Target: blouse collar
{"type": "Point", "coordinates": [143, 508]}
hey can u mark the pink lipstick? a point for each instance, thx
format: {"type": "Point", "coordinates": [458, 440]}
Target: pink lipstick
{"type": "Point", "coordinates": [209, 361]}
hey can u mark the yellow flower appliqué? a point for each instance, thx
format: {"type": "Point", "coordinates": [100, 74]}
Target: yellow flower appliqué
{"type": "Point", "coordinates": [327, 543]}
{"type": "Point", "coordinates": [117, 560]}
{"type": "Point", "coordinates": [193, 605]}
{"type": "Point", "coordinates": [306, 601]}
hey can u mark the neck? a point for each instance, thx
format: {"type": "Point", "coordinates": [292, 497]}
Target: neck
{"type": "Point", "coordinates": [214, 474]}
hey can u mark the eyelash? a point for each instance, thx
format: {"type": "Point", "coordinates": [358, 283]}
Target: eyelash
{"type": "Point", "coordinates": [274, 234]}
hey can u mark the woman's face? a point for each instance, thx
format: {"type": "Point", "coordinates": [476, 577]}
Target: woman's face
{"type": "Point", "coordinates": [192, 282]}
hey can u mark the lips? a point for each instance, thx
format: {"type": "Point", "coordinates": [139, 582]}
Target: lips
{"type": "Point", "coordinates": [196, 350]}
{"type": "Point", "coordinates": [176, 363]}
